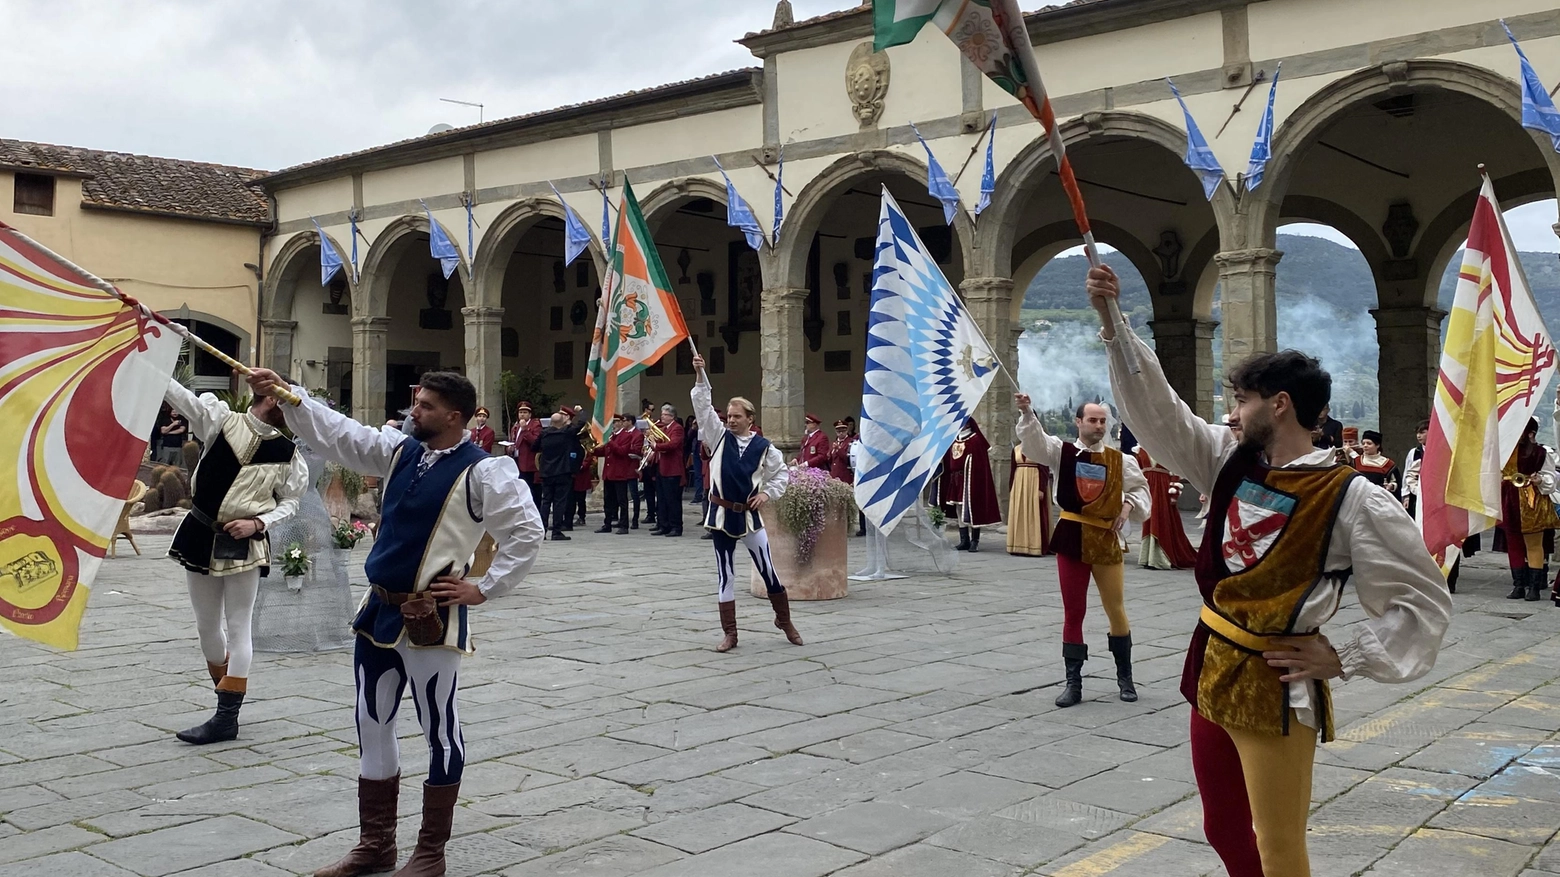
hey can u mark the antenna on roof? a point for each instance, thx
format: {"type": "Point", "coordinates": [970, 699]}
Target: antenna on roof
{"type": "Point", "coordinates": [465, 103]}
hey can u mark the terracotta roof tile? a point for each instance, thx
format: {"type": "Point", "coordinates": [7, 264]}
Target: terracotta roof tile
{"type": "Point", "coordinates": [170, 186]}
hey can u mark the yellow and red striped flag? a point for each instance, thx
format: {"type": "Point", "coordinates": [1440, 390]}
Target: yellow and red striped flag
{"type": "Point", "coordinates": [639, 320]}
{"type": "Point", "coordinates": [81, 378]}
{"type": "Point", "coordinates": [1496, 362]}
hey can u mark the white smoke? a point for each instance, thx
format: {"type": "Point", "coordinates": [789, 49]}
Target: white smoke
{"type": "Point", "coordinates": [1062, 363]}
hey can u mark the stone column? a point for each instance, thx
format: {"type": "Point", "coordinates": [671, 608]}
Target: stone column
{"type": "Point", "coordinates": [1410, 339]}
{"type": "Point", "coordinates": [368, 368]}
{"type": "Point", "coordinates": [1247, 287]}
{"type": "Point", "coordinates": [276, 346]}
{"type": "Point", "coordinates": [990, 303]}
{"type": "Point", "coordinates": [782, 356]}
{"type": "Point", "coordinates": [482, 353]}
{"type": "Point", "coordinates": [1185, 351]}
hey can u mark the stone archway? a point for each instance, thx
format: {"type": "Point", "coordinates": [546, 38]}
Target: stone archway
{"type": "Point", "coordinates": [1388, 155]}
{"type": "Point", "coordinates": [306, 327]}
{"type": "Point", "coordinates": [404, 321]}
{"type": "Point", "coordinates": [816, 295]}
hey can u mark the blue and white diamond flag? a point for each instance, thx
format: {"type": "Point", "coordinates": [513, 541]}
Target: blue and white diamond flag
{"type": "Point", "coordinates": [1262, 147]}
{"type": "Point", "coordinates": [739, 214]}
{"type": "Point", "coordinates": [1199, 155]}
{"type": "Point", "coordinates": [928, 365]}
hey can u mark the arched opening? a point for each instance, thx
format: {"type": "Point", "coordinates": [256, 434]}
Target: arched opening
{"type": "Point", "coordinates": [318, 353]}
{"type": "Point", "coordinates": [425, 331]}
{"type": "Point", "coordinates": [211, 375]}
{"type": "Point", "coordinates": [1061, 360]}
{"type": "Point", "coordinates": [719, 285]}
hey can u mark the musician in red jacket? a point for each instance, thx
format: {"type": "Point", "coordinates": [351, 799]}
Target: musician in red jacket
{"type": "Point", "coordinates": [839, 453]}
{"type": "Point", "coordinates": [481, 434]}
{"type": "Point", "coordinates": [669, 475]}
{"type": "Point", "coordinates": [522, 442]}
{"type": "Point", "coordinates": [815, 445]}
{"type": "Point", "coordinates": [622, 454]}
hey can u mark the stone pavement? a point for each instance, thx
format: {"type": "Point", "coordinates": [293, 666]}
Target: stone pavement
{"type": "Point", "coordinates": [914, 734]}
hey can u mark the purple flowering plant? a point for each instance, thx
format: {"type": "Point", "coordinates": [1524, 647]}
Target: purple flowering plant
{"type": "Point", "coordinates": [810, 497]}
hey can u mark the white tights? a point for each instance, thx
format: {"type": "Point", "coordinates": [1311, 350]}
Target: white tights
{"type": "Point", "coordinates": [224, 609]}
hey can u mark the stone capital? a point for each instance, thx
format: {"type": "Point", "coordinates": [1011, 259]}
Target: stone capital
{"type": "Point", "coordinates": [1253, 259]}
{"type": "Point", "coordinates": [370, 324]}
{"type": "Point", "coordinates": [1411, 317]}
{"type": "Point", "coordinates": [1190, 327]}
{"type": "Point", "coordinates": [482, 315]}
{"type": "Point", "coordinates": [279, 325]}
{"type": "Point", "coordinates": [998, 289]}
{"type": "Point", "coordinates": [783, 296]}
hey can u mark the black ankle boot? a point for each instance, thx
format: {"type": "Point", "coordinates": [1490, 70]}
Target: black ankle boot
{"type": "Point", "coordinates": [1121, 648]}
{"type": "Point", "coordinates": [1073, 656]}
{"type": "Point", "coordinates": [974, 539]}
{"type": "Point", "coordinates": [964, 539]}
{"type": "Point", "coordinates": [222, 726]}
{"type": "Point", "coordinates": [1518, 583]}
{"type": "Point", "coordinates": [1537, 578]}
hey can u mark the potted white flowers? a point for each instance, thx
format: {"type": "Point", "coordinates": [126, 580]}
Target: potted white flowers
{"type": "Point", "coordinates": [295, 565]}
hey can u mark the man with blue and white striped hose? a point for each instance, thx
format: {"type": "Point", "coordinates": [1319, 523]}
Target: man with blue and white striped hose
{"type": "Point", "coordinates": [746, 471]}
{"type": "Point", "coordinates": [440, 494]}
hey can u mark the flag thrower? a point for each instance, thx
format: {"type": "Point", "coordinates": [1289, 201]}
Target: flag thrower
{"type": "Point", "coordinates": [283, 393]}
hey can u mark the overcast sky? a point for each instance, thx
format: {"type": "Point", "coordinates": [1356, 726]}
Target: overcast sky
{"type": "Point", "coordinates": [280, 82]}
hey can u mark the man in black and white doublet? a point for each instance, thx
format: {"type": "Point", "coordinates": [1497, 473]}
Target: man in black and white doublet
{"type": "Point", "coordinates": [440, 493]}
{"type": "Point", "coordinates": [248, 481]}
{"type": "Point", "coordinates": [746, 471]}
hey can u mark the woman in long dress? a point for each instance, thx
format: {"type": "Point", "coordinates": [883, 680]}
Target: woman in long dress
{"type": "Point", "coordinates": [1164, 545]}
{"type": "Point", "coordinates": [1029, 506]}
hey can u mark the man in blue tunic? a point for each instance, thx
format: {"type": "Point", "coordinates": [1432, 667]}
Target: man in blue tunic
{"type": "Point", "coordinates": [440, 494]}
{"type": "Point", "coordinates": [746, 471]}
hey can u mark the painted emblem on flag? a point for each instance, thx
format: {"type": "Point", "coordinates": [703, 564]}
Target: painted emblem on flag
{"type": "Point", "coordinates": [1089, 480]}
{"type": "Point", "coordinates": [1256, 518]}
{"type": "Point", "coordinates": [976, 366]}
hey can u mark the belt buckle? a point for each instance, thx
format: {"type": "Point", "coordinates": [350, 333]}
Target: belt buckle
{"type": "Point", "coordinates": [739, 507]}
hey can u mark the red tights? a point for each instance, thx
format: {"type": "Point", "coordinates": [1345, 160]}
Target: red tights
{"type": "Point", "coordinates": [1073, 575]}
{"type": "Point", "coordinates": [1256, 794]}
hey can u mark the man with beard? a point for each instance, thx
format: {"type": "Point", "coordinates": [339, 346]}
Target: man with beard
{"type": "Point", "coordinates": [669, 475]}
{"type": "Point", "coordinates": [1287, 527]}
{"type": "Point", "coordinates": [1099, 489]}
{"type": "Point", "coordinates": [249, 480]}
{"type": "Point", "coordinates": [440, 494]}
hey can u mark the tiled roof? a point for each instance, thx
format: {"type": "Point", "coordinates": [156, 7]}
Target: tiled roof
{"type": "Point", "coordinates": [867, 7]}
{"type": "Point", "coordinates": [167, 186]}
{"type": "Point", "coordinates": [512, 122]}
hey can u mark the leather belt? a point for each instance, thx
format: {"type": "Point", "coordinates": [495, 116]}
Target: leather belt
{"type": "Point", "coordinates": [204, 520]}
{"type": "Point", "coordinates": [738, 507]}
{"type": "Point", "coordinates": [1088, 520]}
{"type": "Point", "coordinates": [394, 598]}
{"type": "Point", "coordinates": [1239, 635]}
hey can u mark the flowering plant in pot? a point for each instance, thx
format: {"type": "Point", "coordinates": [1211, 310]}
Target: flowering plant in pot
{"type": "Point", "coordinates": [347, 534]}
{"type": "Point", "coordinates": [811, 497]}
{"type": "Point", "coordinates": [295, 565]}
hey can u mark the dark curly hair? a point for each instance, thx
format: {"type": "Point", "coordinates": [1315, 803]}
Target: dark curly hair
{"type": "Point", "coordinates": [456, 391]}
{"type": "Point", "coordinates": [1288, 371]}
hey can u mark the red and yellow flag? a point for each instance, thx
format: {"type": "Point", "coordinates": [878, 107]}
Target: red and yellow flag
{"type": "Point", "coordinates": [81, 379]}
{"type": "Point", "coordinates": [1497, 360]}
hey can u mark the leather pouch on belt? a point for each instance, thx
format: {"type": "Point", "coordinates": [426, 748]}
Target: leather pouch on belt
{"type": "Point", "coordinates": [420, 614]}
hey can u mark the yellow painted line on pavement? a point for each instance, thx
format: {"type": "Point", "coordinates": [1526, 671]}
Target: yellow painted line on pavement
{"type": "Point", "coordinates": [1393, 717]}
{"type": "Point", "coordinates": [1113, 856]}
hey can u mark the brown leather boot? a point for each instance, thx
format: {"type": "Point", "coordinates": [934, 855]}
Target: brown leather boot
{"type": "Point", "coordinates": [728, 624]}
{"type": "Point", "coordinates": [375, 850]}
{"type": "Point", "coordinates": [438, 817]}
{"type": "Point", "coordinates": [782, 603]}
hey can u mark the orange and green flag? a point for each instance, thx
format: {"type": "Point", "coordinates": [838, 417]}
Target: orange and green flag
{"type": "Point", "coordinates": [638, 321]}
{"type": "Point", "coordinates": [81, 377]}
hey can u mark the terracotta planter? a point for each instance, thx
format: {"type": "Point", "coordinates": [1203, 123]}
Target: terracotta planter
{"type": "Point", "coordinates": [823, 578]}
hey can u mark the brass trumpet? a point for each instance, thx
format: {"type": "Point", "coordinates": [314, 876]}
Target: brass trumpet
{"type": "Point", "coordinates": [654, 435]}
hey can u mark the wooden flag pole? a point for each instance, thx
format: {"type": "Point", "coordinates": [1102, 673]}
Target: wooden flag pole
{"type": "Point", "coordinates": [284, 393]}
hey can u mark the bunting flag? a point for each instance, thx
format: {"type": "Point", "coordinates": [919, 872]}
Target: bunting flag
{"type": "Point", "coordinates": [471, 225]}
{"type": "Point", "coordinates": [638, 321]}
{"type": "Point", "coordinates": [988, 177]}
{"type": "Point", "coordinates": [993, 36]}
{"type": "Point", "coordinates": [1497, 360]}
{"type": "Point", "coordinates": [927, 367]}
{"type": "Point", "coordinates": [739, 214]}
{"type": "Point", "coordinates": [440, 246]}
{"type": "Point", "coordinates": [937, 182]}
{"type": "Point", "coordinates": [81, 378]}
{"type": "Point", "coordinates": [606, 218]}
{"type": "Point", "coordinates": [1262, 147]}
{"type": "Point", "coordinates": [1538, 108]}
{"type": "Point", "coordinates": [779, 204]}
{"type": "Point", "coordinates": [330, 260]}
{"type": "Point", "coordinates": [576, 237]}
{"type": "Point", "coordinates": [1199, 155]}
{"type": "Point", "coordinates": [352, 219]}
